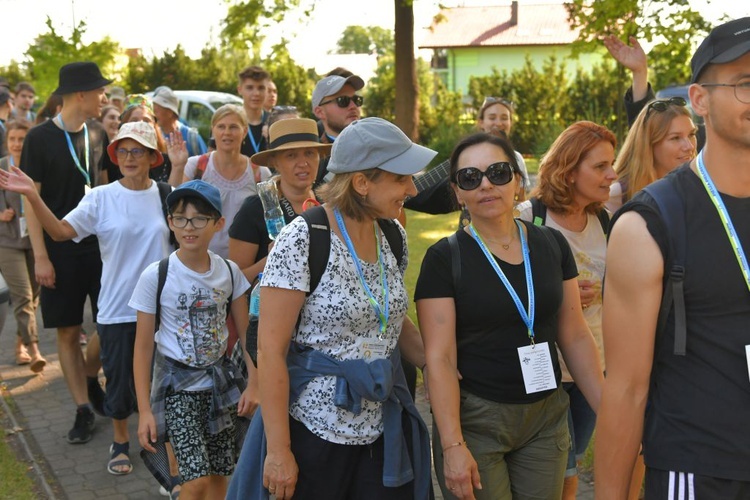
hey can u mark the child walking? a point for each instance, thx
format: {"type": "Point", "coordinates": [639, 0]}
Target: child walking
{"type": "Point", "coordinates": [183, 303]}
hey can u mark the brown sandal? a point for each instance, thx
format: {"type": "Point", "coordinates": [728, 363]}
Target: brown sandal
{"type": "Point", "coordinates": [22, 355]}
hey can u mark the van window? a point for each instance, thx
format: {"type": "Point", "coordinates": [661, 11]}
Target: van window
{"type": "Point", "coordinates": [199, 116]}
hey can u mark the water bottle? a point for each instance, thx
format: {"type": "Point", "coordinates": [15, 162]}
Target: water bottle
{"type": "Point", "coordinates": [272, 213]}
{"type": "Point", "coordinates": [251, 339]}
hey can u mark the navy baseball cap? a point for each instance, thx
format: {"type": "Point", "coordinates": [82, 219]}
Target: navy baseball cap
{"type": "Point", "coordinates": [724, 44]}
{"type": "Point", "coordinates": [199, 189]}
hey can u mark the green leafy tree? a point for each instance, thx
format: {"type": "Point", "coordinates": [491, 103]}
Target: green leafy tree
{"type": "Point", "coordinates": [51, 50]}
{"type": "Point", "coordinates": [671, 25]}
{"type": "Point", "coordinates": [365, 40]}
{"type": "Point", "coordinates": [294, 83]}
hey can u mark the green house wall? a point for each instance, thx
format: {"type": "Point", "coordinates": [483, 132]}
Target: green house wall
{"type": "Point", "coordinates": [463, 63]}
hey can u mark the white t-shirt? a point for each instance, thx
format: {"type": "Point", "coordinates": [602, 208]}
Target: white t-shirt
{"type": "Point", "coordinates": [193, 326]}
{"type": "Point", "coordinates": [132, 233]}
{"type": "Point", "coordinates": [589, 249]}
{"type": "Point", "coordinates": [337, 319]}
{"type": "Point", "coordinates": [233, 193]}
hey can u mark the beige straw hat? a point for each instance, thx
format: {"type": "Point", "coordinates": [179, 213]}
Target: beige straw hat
{"type": "Point", "coordinates": [290, 134]}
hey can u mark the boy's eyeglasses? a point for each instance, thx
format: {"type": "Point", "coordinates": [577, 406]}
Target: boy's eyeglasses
{"type": "Point", "coordinates": [499, 174]}
{"type": "Point", "coordinates": [741, 89]}
{"type": "Point", "coordinates": [123, 153]}
{"type": "Point", "coordinates": [198, 222]}
{"type": "Point", "coordinates": [661, 105]}
{"type": "Point", "coordinates": [343, 101]}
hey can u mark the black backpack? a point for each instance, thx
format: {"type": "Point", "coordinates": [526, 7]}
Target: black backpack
{"type": "Point", "coordinates": [320, 242]}
{"type": "Point", "coordinates": [669, 198]}
{"type": "Point", "coordinates": [539, 215]}
{"type": "Point", "coordinates": [320, 248]}
{"type": "Point", "coordinates": [164, 190]}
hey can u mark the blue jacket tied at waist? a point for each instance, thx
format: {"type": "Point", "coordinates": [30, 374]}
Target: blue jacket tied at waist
{"type": "Point", "coordinates": [380, 380]}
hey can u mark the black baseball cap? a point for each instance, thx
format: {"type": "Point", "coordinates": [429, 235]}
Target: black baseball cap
{"type": "Point", "coordinates": [724, 44]}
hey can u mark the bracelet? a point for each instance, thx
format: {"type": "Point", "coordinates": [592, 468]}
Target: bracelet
{"type": "Point", "coordinates": [459, 443]}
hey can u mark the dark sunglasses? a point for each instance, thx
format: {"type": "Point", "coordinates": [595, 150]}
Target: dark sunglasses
{"type": "Point", "coordinates": [662, 104]}
{"type": "Point", "coordinates": [499, 174]}
{"type": "Point", "coordinates": [343, 101]}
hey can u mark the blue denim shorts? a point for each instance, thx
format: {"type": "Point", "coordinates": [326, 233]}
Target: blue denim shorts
{"type": "Point", "coordinates": [581, 423]}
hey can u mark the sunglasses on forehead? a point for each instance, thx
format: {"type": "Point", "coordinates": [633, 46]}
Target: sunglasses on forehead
{"type": "Point", "coordinates": [661, 105]}
{"type": "Point", "coordinates": [469, 178]}
{"type": "Point", "coordinates": [343, 101]}
{"type": "Point", "coordinates": [489, 101]}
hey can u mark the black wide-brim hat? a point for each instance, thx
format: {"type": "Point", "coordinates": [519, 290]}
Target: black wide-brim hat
{"type": "Point", "coordinates": [80, 77]}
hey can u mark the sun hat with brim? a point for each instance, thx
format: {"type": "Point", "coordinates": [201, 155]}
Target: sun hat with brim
{"type": "Point", "coordinates": [291, 133]}
{"type": "Point", "coordinates": [724, 44]}
{"type": "Point", "coordinates": [141, 132]}
{"type": "Point", "coordinates": [377, 143]}
{"type": "Point", "coordinates": [199, 189]}
{"type": "Point", "coordinates": [166, 98]}
{"type": "Point", "coordinates": [80, 77]}
{"type": "Point", "coordinates": [116, 94]}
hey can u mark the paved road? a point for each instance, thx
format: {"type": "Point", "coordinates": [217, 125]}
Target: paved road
{"type": "Point", "coordinates": [44, 410]}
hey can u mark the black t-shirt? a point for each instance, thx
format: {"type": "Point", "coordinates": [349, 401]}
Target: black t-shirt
{"type": "Point", "coordinates": [699, 403]}
{"type": "Point", "coordinates": [47, 159]}
{"type": "Point", "coordinates": [489, 328]}
{"type": "Point", "coordinates": [250, 226]}
{"type": "Point", "coordinates": [247, 148]}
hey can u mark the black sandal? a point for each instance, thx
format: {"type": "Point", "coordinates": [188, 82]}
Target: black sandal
{"type": "Point", "coordinates": [115, 450]}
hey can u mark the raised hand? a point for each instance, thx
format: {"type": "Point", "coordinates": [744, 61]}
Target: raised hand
{"type": "Point", "coordinates": [17, 181]}
{"type": "Point", "coordinates": [631, 56]}
{"type": "Point", "coordinates": [177, 150]}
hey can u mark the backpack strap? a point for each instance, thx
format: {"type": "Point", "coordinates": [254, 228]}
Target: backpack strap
{"type": "Point", "coordinates": [320, 242]}
{"type": "Point", "coordinates": [200, 169]}
{"type": "Point", "coordinates": [455, 259]}
{"type": "Point", "coordinates": [393, 236]}
{"type": "Point", "coordinates": [603, 217]}
{"type": "Point", "coordinates": [164, 190]}
{"type": "Point", "coordinates": [538, 211]}
{"type": "Point", "coordinates": [163, 268]}
{"type": "Point", "coordinates": [669, 200]}
{"type": "Point", "coordinates": [162, 279]}
{"type": "Point", "coordinates": [552, 240]}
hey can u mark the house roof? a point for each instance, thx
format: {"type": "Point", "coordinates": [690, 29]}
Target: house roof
{"type": "Point", "coordinates": [491, 27]}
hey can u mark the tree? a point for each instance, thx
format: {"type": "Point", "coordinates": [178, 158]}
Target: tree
{"type": "Point", "coordinates": [671, 25]}
{"type": "Point", "coordinates": [407, 85]}
{"type": "Point", "coordinates": [51, 50]}
{"type": "Point", "coordinates": [365, 40]}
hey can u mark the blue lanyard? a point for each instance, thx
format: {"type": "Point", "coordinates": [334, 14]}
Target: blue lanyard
{"type": "Point", "coordinates": [72, 150]}
{"type": "Point", "coordinates": [726, 220]}
{"type": "Point", "coordinates": [380, 311]}
{"type": "Point", "coordinates": [2, 125]}
{"type": "Point", "coordinates": [332, 139]}
{"type": "Point", "coordinates": [12, 163]}
{"type": "Point", "coordinates": [528, 318]}
{"type": "Point", "coordinates": [256, 145]}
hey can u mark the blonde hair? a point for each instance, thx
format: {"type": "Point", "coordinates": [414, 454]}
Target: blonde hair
{"type": "Point", "coordinates": [227, 110]}
{"type": "Point", "coordinates": [635, 162]}
{"type": "Point", "coordinates": [340, 193]}
{"type": "Point", "coordinates": [564, 157]}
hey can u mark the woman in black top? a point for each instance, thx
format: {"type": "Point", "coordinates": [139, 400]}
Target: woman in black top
{"type": "Point", "coordinates": [294, 152]}
{"type": "Point", "coordinates": [502, 430]}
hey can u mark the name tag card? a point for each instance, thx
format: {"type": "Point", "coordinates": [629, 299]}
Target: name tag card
{"type": "Point", "coordinates": [373, 349]}
{"type": "Point", "coordinates": [536, 366]}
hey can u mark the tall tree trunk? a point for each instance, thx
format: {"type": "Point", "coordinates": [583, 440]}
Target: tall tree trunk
{"type": "Point", "coordinates": [407, 86]}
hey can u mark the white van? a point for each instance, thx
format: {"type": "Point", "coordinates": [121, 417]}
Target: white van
{"type": "Point", "coordinates": [198, 106]}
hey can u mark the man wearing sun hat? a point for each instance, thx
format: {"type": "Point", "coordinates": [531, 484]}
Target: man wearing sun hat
{"type": "Point", "coordinates": [62, 156]}
{"type": "Point", "coordinates": [682, 386]}
{"type": "Point", "coordinates": [167, 112]}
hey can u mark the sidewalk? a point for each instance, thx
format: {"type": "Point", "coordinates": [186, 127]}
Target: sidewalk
{"type": "Point", "coordinates": [43, 408]}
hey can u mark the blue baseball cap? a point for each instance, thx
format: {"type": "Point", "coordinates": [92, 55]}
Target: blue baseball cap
{"type": "Point", "coordinates": [199, 189]}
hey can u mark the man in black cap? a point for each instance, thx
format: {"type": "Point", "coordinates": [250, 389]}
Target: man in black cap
{"type": "Point", "coordinates": [62, 155]}
{"type": "Point", "coordinates": [678, 368]}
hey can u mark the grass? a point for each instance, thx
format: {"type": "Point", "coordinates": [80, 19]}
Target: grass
{"type": "Point", "coordinates": [15, 483]}
{"type": "Point", "coordinates": [422, 231]}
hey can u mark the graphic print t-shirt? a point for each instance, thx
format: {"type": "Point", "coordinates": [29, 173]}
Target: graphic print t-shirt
{"type": "Point", "coordinates": [193, 327]}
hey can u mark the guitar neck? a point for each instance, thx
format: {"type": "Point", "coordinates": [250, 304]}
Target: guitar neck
{"type": "Point", "coordinates": [432, 177]}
